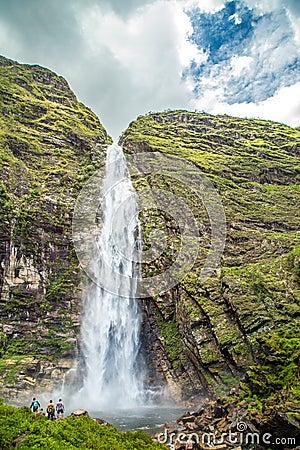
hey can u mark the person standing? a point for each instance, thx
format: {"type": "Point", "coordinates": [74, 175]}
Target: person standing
{"type": "Point", "coordinates": [51, 410]}
{"type": "Point", "coordinates": [60, 409]}
{"type": "Point", "coordinates": [35, 405]}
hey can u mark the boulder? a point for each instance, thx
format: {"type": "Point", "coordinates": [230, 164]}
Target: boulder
{"type": "Point", "coordinates": [18, 441]}
{"type": "Point", "coordinates": [79, 413]}
{"type": "Point", "coordinates": [101, 421]}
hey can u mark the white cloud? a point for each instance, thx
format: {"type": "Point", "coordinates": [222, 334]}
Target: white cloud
{"type": "Point", "coordinates": [144, 44]}
{"type": "Point", "coordinates": [205, 5]}
{"type": "Point", "coordinates": [121, 61]}
{"type": "Point", "coordinates": [239, 63]}
{"type": "Point", "coordinates": [271, 5]}
{"type": "Point", "coordinates": [124, 59]}
{"type": "Point", "coordinates": [295, 22]}
{"type": "Point", "coordinates": [187, 51]}
{"type": "Point", "coordinates": [147, 53]}
{"type": "Point", "coordinates": [274, 51]}
{"type": "Point", "coordinates": [263, 62]}
{"type": "Point", "coordinates": [236, 18]}
{"type": "Point", "coordinates": [284, 106]}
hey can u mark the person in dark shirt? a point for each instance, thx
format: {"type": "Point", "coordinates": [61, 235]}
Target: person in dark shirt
{"type": "Point", "coordinates": [35, 405]}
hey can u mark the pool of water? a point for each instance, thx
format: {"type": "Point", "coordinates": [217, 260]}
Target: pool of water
{"type": "Point", "coordinates": [148, 418]}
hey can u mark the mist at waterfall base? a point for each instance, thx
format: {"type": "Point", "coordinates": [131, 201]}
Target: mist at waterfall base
{"type": "Point", "coordinates": [113, 372]}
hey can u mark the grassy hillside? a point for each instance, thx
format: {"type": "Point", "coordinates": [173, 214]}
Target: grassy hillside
{"type": "Point", "coordinates": [21, 428]}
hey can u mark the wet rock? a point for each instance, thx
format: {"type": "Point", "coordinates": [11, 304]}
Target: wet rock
{"type": "Point", "coordinates": [282, 425]}
{"type": "Point", "coordinates": [8, 329]}
{"type": "Point", "coordinates": [187, 418]}
{"type": "Point", "coordinates": [101, 421]}
{"type": "Point", "coordinates": [33, 368]}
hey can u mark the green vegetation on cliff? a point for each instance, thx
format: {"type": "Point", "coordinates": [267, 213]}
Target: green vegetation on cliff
{"type": "Point", "coordinates": [30, 432]}
{"type": "Point", "coordinates": [49, 146]}
{"type": "Point", "coordinates": [204, 337]}
{"type": "Point", "coordinates": [247, 313]}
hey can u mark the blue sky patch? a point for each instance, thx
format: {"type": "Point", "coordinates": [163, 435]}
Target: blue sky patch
{"type": "Point", "coordinates": [223, 33]}
{"type": "Point", "coordinates": [237, 31]}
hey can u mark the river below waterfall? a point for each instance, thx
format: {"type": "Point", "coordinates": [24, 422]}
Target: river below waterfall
{"type": "Point", "coordinates": [150, 419]}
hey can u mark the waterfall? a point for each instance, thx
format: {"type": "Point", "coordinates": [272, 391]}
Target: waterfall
{"type": "Point", "coordinates": [111, 319]}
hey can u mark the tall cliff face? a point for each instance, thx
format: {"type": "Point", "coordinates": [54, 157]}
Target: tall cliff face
{"type": "Point", "coordinates": [50, 144]}
{"type": "Point", "coordinates": [205, 336]}
{"type": "Point", "coordinates": [200, 337]}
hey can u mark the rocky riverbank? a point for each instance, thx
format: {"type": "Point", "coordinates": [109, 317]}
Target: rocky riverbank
{"type": "Point", "coordinates": [224, 424]}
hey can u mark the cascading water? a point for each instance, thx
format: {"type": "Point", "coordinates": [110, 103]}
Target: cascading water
{"type": "Point", "coordinates": [110, 328]}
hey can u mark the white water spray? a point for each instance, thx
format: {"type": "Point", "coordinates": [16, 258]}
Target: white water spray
{"type": "Point", "coordinates": [110, 328]}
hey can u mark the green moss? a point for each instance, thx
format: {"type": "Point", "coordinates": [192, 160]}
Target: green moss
{"type": "Point", "coordinates": [60, 286]}
{"type": "Point", "coordinates": [294, 415]}
{"type": "Point", "coordinates": [3, 343]}
{"type": "Point", "coordinates": [10, 367]}
{"type": "Point", "coordinates": [254, 166]}
{"type": "Point", "coordinates": [172, 339]}
{"type": "Point", "coordinates": [50, 144]}
{"type": "Point", "coordinates": [20, 347]}
{"type": "Point", "coordinates": [273, 382]}
{"type": "Point", "coordinates": [293, 260]}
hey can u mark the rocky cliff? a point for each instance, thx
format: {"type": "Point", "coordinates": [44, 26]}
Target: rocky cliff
{"type": "Point", "coordinates": [204, 336]}
{"type": "Point", "coordinates": [50, 144]}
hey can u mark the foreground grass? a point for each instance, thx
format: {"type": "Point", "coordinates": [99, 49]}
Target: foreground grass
{"type": "Point", "coordinates": [70, 433]}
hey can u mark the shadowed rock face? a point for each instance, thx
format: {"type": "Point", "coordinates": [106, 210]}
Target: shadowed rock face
{"type": "Point", "coordinates": [202, 337]}
{"type": "Point", "coordinates": [50, 144]}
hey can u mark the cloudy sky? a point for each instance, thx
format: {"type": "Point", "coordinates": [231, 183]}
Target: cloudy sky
{"type": "Point", "coordinates": [124, 58]}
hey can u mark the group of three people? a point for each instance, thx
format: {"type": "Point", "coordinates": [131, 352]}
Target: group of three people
{"type": "Point", "coordinates": [51, 408]}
